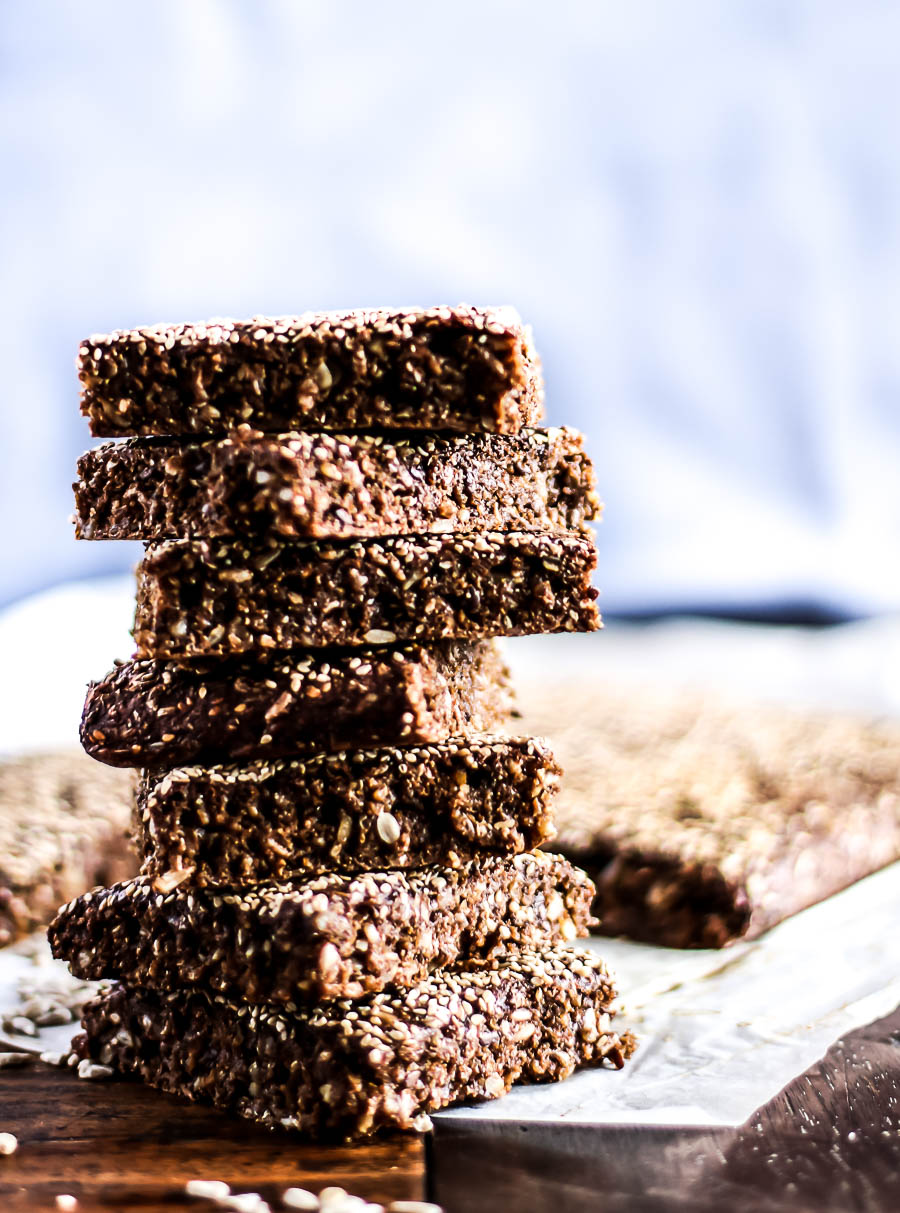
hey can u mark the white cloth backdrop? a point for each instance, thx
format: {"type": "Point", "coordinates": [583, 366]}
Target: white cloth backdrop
{"type": "Point", "coordinates": [696, 204]}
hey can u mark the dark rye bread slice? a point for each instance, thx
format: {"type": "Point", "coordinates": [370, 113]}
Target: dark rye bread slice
{"type": "Point", "coordinates": [340, 486]}
{"type": "Point", "coordinates": [65, 827]}
{"type": "Point", "coordinates": [167, 713]}
{"type": "Point", "coordinates": [333, 937]}
{"type": "Point", "coordinates": [349, 1069]}
{"type": "Point", "coordinates": [200, 598]}
{"type": "Point", "coordinates": [407, 807]}
{"type": "Point", "coordinates": [704, 819]}
{"type": "Point", "coordinates": [442, 368]}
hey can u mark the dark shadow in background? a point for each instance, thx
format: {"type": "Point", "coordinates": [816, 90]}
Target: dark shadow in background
{"type": "Point", "coordinates": [791, 614]}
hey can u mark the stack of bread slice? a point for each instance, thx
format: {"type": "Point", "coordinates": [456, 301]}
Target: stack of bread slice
{"type": "Point", "coordinates": [344, 921]}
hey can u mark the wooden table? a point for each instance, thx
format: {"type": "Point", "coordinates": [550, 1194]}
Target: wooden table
{"type": "Point", "coordinates": [122, 1146]}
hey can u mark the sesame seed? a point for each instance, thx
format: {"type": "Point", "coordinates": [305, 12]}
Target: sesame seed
{"type": "Point", "coordinates": [388, 828]}
{"type": "Point", "coordinates": [300, 1198]}
{"type": "Point", "coordinates": [207, 1189]}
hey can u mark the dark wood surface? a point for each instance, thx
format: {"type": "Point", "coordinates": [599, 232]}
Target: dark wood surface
{"type": "Point", "coordinates": [122, 1146]}
{"type": "Point", "coordinates": [828, 1143]}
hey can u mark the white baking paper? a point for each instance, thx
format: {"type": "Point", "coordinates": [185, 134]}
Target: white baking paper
{"type": "Point", "coordinates": [721, 1032]}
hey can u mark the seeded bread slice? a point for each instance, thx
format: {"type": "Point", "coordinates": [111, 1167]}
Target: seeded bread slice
{"type": "Point", "coordinates": [407, 807]}
{"type": "Point", "coordinates": [213, 597]}
{"type": "Point", "coordinates": [332, 937]}
{"type": "Point", "coordinates": [64, 823]}
{"type": "Point", "coordinates": [443, 368]}
{"type": "Point", "coordinates": [341, 486]}
{"type": "Point", "coordinates": [168, 713]}
{"type": "Point", "coordinates": [705, 819]}
{"type": "Point", "coordinates": [350, 1069]}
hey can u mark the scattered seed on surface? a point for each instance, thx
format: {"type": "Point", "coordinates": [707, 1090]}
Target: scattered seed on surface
{"type": "Point", "coordinates": [300, 1198]}
{"type": "Point", "coordinates": [338, 1200]}
{"type": "Point", "coordinates": [21, 1025]}
{"type": "Point", "coordinates": [207, 1189]}
{"type": "Point", "coordinates": [93, 1071]}
{"type": "Point", "coordinates": [345, 1204]}
{"type": "Point", "coordinates": [9, 1143]}
{"type": "Point", "coordinates": [330, 1195]}
{"type": "Point", "coordinates": [245, 1202]}
{"type": "Point", "coordinates": [10, 1061]}
{"type": "Point", "coordinates": [55, 1059]}
{"type": "Point", "coordinates": [55, 1017]}
{"type": "Point", "coordinates": [66, 1202]}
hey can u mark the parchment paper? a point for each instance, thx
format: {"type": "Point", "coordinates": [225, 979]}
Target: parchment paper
{"type": "Point", "coordinates": [721, 1032]}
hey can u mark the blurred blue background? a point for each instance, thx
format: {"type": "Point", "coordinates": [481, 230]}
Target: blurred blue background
{"type": "Point", "coordinates": [695, 205]}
